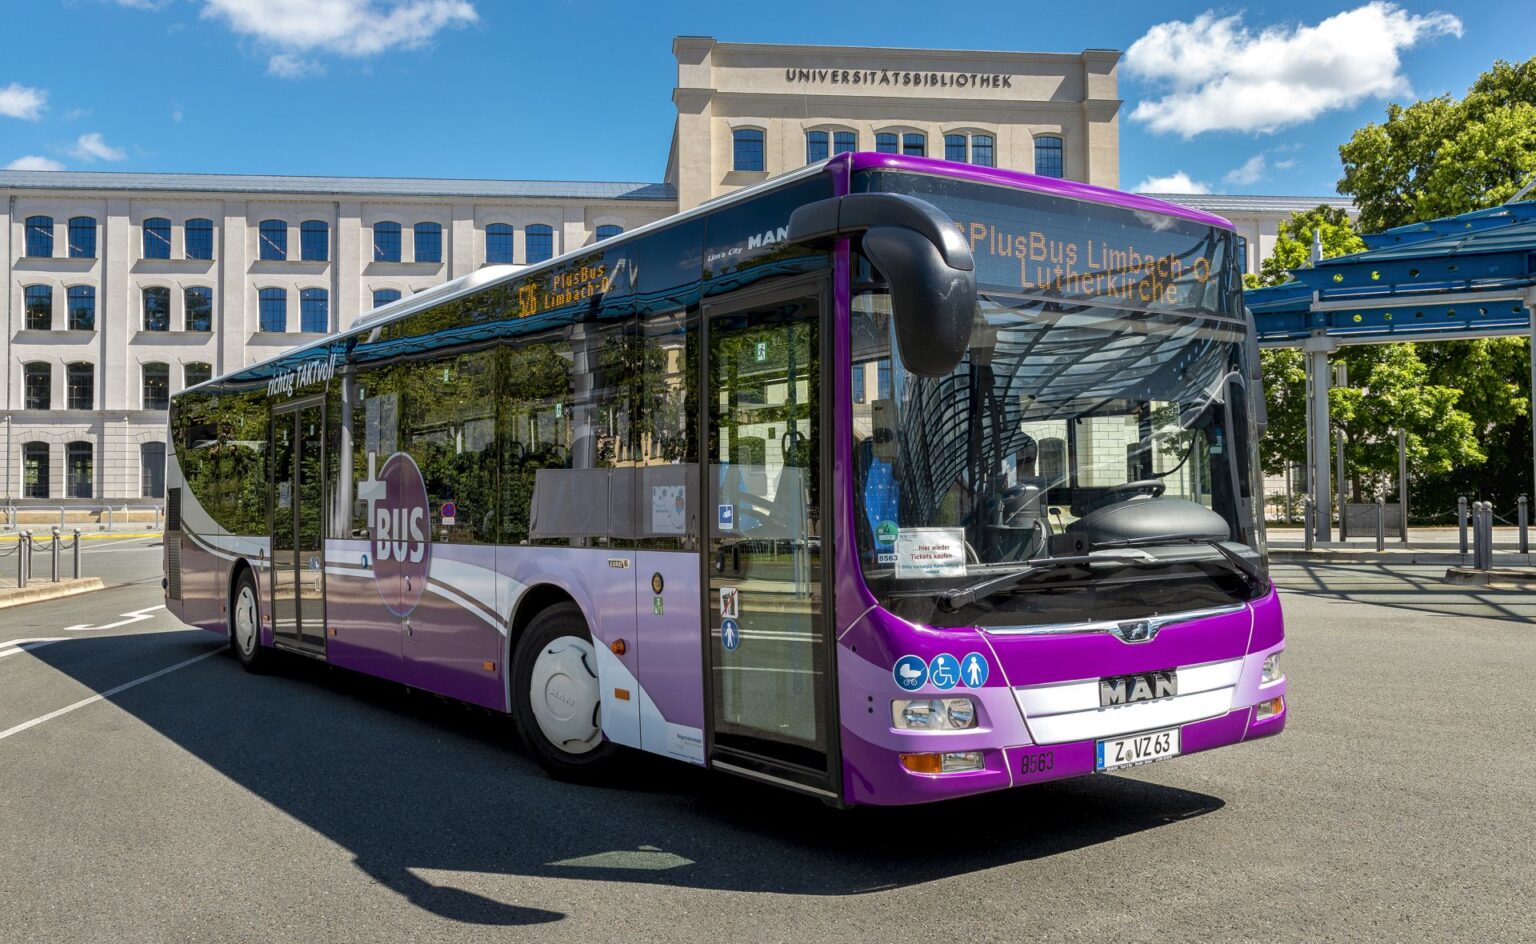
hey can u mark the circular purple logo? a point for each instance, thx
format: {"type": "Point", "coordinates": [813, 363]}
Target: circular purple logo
{"type": "Point", "coordinates": [402, 535]}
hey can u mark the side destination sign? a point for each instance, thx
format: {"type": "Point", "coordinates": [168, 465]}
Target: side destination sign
{"type": "Point", "coordinates": [302, 376]}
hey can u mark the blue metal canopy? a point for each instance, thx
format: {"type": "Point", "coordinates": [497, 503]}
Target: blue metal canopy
{"type": "Point", "coordinates": [1462, 276]}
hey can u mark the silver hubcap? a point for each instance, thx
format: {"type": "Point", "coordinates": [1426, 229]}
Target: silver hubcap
{"type": "Point", "coordinates": [245, 620]}
{"type": "Point", "coordinates": [564, 694]}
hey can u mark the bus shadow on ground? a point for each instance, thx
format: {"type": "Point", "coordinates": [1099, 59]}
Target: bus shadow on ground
{"type": "Point", "coordinates": [409, 783]}
{"type": "Point", "coordinates": [1422, 589]}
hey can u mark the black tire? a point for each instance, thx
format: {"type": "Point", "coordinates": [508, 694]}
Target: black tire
{"type": "Point", "coordinates": [577, 759]}
{"type": "Point", "coordinates": [245, 637]}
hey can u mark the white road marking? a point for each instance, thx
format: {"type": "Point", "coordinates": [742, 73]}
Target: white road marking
{"type": "Point", "coordinates": [137, 616]}
{"type": "Point", "coordinates": [106, 694]}
{"type": "Point", "coordinates": [13, 646]}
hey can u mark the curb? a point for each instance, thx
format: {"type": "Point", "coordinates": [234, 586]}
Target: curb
{"type": "Point", "coordinates": [37, 593]}
{"type": "Point", "coordinates": [1523, 578]}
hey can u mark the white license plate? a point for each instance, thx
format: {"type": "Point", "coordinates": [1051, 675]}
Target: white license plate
{"type": "Point", "coordinates": [1136, 749]}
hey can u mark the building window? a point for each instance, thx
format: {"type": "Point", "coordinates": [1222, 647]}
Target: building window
{"type": "Point", "coordinates": [1048, 161]}
{"type": "Point", "coordinates": [40, 236]}
{"type": "Point", "coordinates": [498, 243]}
{"type": "Point", "coordinates": [152, 470]}
{"type": "Point", "coordinates": [196, 373]}
{"type": "Point", "coordinates": [858, 383]}
{"type": "Point", "coordinates": [608, 231]}
{"type": "Point", "coordinates": [429, 242]}
{"type": "Point", "coordinates": [272, 240]}
{"type": "Point", "coordinates": [82, 308]}
{"type": "Point", "coordinates": [157, 386]}
{"type": "Point", "coordinates": [157, 309]}
{"type": "Point", "coordinates": [983, 151]}
{"type": "Point", "coordinates": [815, 146]}
{"type": "Point", "coordinates": [883, 380]}
{"type": "Point", "coordinates": [541, 243]}
{"type": "Point", "coordinates": [37, 386]}
{"type": "Point", "coordinates": [886, 143]}
{"type": "Point", "coordinates": [314, 310]}
{"type": "Point", "coordinates": [844, 142]}
{"type": "Point", "coordinates": [315, 241]}
{"type": "Point", "coordinates": [384, 296]}
{"type": "Point", "coordinates": [954, 148]}
{"type": "Point", "coordinates": [80, 386]}
{"type": "Point", "coordinates": [157, 238]}
{"type": "Point", "coordinates": [82, 237]}
{"type": "Point", "coordinates": [199, 235]}
{"type": "Point", "coordinates": [273, 309]}
{"type": "Point", "coordinates": [914, 144]}
{"type": "Point", "coordinates": [747, 149]}
{"type": "Point", "coordinates": [1242, 254]}
{"type": "Point", "coordinates": [386, 241]}
{"type": "Point", "coordinates": [39, 304]}
{"type": "Point", "coordinates": [79, 473]}
{"type": "Point", "coordinates": [199, 309]}
{"type": "Point", "coordinates": [34, 470]}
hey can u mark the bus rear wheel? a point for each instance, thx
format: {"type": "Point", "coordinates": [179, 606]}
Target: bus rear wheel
{"type": "Point", "coordinates": [245, 625]}
{"type": "Point", "coordinates": [556, 700]}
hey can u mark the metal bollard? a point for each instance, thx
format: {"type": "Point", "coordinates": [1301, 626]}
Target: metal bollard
{"type": "Point", "coordinates": [77, 553]}
{"type": "Point", "coordinates": [1381, 523]}
{"type": "Point", "coordinates": [1306, 518]}
{"type": "Point", "coordinates": [55, 555]}
{"type": "Point", "coordinates": [109, 520]}
{"type": "Point", "coordinates": [1483, 532]}
{"type": "Point", "coordinates": [1525, 521]}
{"type": "Point", "coordinates": [1461, 522]}
{"type": "Point", "coordinates": [21, 560]}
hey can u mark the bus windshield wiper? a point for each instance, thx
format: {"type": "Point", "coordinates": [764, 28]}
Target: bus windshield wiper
{"type": "Point", "coordinates": [1239, 563]}
{"type": "Point", "coordinates": [952, 600]}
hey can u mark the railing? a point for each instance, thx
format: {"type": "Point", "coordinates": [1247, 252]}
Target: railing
{"type": "Point", "coordinates": [106, 517]}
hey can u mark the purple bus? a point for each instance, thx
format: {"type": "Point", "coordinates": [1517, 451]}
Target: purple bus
{"type": "Point", "coordinates": [886, 481]}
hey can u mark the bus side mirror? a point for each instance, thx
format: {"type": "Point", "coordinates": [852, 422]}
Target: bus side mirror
{"type": "Point", "coordinates": [924, 259]}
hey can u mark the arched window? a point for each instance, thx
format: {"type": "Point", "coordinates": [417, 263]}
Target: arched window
{"type": "Point", "coordinates": [199, 234]}
{"type": "Point", "coordinates": [314, 310]}
{"type": "Point", "coordinates": [384, 296]}
{"type": "Point", "coordinates": [541, 243]}
{"type": "Point", "coordinates": [315, 241]}
{"type": "Point", "coordinates": [80, 386]}
{"type": "Point", "coordinates": [844, 142]}
{"type": "Point", "coordinates": [386, 241]}
{"type": "Point", "coordinates": [79, 470]}
{"type": "Point", "coordinates": [157, 386]}
{"type": "Point", "coordinates": [983, 153]}
{"type": "Point", "coordinates": [39, 305]}
{"type": "Point", "coordinates": [152, 470]}
{"type": "Point", "coordinates": [82, 237]}
{"type": "Point", "coordinates": [82, 308]}
{"type": "Point", "coordinates": [272, 307]}
{"type": "Point", "coordinates": [429, 242]}
{"type": "Point", "coordinates": [157, 308]}
{"type": "Point", "coordinates": [608, 231]}
{"type": "Point", "coordinates": [40, 236]}
{"type": "Point", "coordinates": [747, 149]}
{"type": "Point", "coordinates": [199, 309]}
{"type": "Point", "coordinates": [272, 239]}
{"type": "Point", "coordinates": [1048, 160]}
{"type": "Point", "coordinates": [914, 144]}
{"type": "Point", "coordinates": [498, 243]}
{"type": "Point", "coordinates": [816, 143]}
{"type": "Point", "coordinates": [34, 470]}
{"type": "Point", "coordinates": [37, 385]}
{"type": "Point", "coordinates": [195, 373]}
{"type": "Point", "coordinates": [954, 148]}
{"type": "Point", "coordinates": [887, 143]}
{"type": "Point", "coordinates": [157, 238]}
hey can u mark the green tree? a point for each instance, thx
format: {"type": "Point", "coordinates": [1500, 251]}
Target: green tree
{"type": "Point", "coordinates": [1293, 243]}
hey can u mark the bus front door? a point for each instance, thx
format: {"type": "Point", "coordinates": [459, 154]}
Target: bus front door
{"type": "Point", "coordinates": [770, 702]}
{"type": "Point", "coordinates": [298, 526]}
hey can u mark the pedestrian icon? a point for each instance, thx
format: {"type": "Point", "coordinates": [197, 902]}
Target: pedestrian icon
{"type": "Point", "coordinates": [730, 634]}
{"type": "Point", "coordinates": [974, 670]}
{"type": "Point", "coordinates": [910, 672]}
{"type": "Point", "coordinates": [944, 671]}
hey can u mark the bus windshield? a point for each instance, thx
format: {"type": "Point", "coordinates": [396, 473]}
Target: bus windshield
{"type": "Point", "coordinates": [1096, 440]}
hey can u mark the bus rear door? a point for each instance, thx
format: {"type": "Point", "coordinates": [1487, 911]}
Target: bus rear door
{"type": "Point", "coordinates": [298, 526]}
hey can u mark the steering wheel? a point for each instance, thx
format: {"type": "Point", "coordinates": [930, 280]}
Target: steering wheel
{"type": "Point", "coordinates": [1114, 494]}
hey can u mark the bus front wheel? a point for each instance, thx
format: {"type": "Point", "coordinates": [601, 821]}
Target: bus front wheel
{"type": "Point", "coordinates": [556, 700]}
{"type": "Point", "coordinates": [245, 625]}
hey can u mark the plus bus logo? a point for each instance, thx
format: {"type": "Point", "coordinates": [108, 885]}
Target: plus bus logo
{"type": "Point", "coordinates": [402, 546]}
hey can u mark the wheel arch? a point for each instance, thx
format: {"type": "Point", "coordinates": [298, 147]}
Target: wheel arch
{"type": "Point", "coordinates": [240, 566]}
{"type": "Point", "coordinates": [530, 603]}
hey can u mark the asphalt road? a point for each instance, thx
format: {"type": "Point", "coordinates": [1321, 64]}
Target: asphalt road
{"type": "Point", "coordinates": [206, 804]}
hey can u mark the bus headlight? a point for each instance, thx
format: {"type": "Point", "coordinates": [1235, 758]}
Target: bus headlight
{"type": "Point", "coordinates": [1271, 669]}
{"type": "Point", "coordinates": [933, 714]}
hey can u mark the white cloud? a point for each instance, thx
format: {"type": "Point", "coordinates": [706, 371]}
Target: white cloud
{"type": "Point", "coordinates": [75, 114]}
{"type": "Point", "coordinates": [1219, 75]}
{"type": "Point", "coordinates": [91, 147]}
{"type": "Point", "coordinates": [34, 162]}
{"type": "Point", "coordinates": [1176, 182]}
{"type": "Point", "coordinates": [1286, 164]}
{"type": "Point", "coordinates": [348, 27]}
{"type": "Point", "coordinates": [1250, 171]}
{"type": "Point", "coordinates": [20, 101]}
{"type": "Point", "coordinates": [288, 66]}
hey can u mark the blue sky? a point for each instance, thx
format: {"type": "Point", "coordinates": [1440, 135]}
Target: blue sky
{"type": "Point", "coordinates": [1252, 99]}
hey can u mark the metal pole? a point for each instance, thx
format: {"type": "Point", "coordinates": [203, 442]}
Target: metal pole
{"type": "Point", "coordinates": [1317, 348]}
{"type": "Point", "coordinates": [25, 553]}
{"type": "Point", "coordinates": [55, 555]}
{"type": "Point", "coordinates": [1339, 459]}
{"type": "Point", "coordinates": [1524, 511]}
{"type": "Point", "coordinates": [1306, 520]}
{"type": "Point", "coordinates": [1487, 535]}
{"type": "Point", "coordinates": [21, 562]}
{"type": "Point", "coordinates": [77, 553]}
{"type": "Point", "coordinates": [1461, 522]}
{"type": "Point", "coordinates": [109, 517]}
{"type": "Point", "coordinates": [1402, 483]}
{"type": "Point", "coordinates": [1381, 523]}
